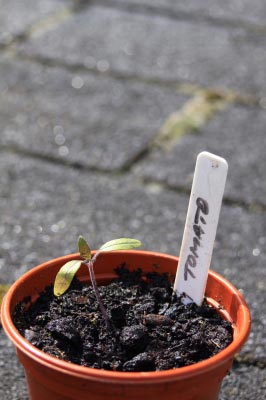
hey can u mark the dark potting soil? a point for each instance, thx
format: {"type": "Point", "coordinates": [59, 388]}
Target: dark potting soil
{"type": "Point", "coordinates": [150, 328]}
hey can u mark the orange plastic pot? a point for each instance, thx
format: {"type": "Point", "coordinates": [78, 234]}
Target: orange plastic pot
{"type": "Point", "coordinates": [49, 378]}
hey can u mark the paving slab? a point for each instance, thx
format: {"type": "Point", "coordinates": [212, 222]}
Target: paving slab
{"type": "Point", "coordinates": [238, 134]}
{"type": "Point", "coordinates": [232, 10]}
{"type": "Point", "coordinates": [240, 256]}
{"type": "Point", "coordinates": [92, 120]}
{"type": "Point", "coordinates": [13, 384]}
{"type": "Point", "coordinates": [245, 383]}
{"type": "Point", "coordinates": [171, 50]}
{"type": "Point", "coordinates": [18, 16]}
{"type": "Point", "coordinates": [44, 207]}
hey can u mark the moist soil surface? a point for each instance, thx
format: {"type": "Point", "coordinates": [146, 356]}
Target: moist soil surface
{"type": "Point", "coordinates": [150, 328]}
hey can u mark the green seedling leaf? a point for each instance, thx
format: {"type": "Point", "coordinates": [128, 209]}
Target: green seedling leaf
{"type": "Point", "coordinates": [120, 244]}
{"type": "Point", "coordinates": [84, 248]}
{"type": "Point", "coordinates": [65, 276]}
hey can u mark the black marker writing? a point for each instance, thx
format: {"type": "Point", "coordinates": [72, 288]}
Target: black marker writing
{"type": "Point", "coordinates": [191, 261]}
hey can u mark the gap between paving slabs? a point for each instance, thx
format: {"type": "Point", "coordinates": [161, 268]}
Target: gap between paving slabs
{"type": "Point", "coordinates": [252, 207]}
{"type": "Point", "coordinates": [33, 25]}
{"type": "Point", "coordinates": [162, 9]}
{"type": "Point", "coordinates": [180, 12]}
{"type": "Point", "coordinates": [192, 116]}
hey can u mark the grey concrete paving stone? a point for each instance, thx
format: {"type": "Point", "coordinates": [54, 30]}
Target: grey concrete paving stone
{"type": "Point", "coordinates": [178, 50]}
{"type": "Point", "coordinates": [44, 207]}
{"type": "Point", "coordinates": [17, 16]}
{"type": "Point", "coordinates": [13, 385]}
{"type": "Point", "coordinates": [232, 10]}
{"type": "Point", "coordinates": [245, 383]}
{"type": "Point", "coordinates": [238, 134]}
{"type": "Point", "coordinates": [240, 256]}
{"type": "Point", "coordinates": [93, 120]}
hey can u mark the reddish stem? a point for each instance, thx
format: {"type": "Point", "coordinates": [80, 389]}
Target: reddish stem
{"type": "Point", "coordinates": [89, 264]}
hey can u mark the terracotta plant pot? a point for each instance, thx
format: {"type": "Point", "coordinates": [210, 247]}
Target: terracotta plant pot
{"type": "Point", "coordinates": [52, 379]}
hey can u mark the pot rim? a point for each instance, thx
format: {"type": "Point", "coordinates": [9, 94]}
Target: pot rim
{"type": "Point", "coordinates": [124, 377]}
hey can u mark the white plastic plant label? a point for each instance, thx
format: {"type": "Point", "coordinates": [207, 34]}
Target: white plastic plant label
{"type": "Point", "coordinates": [200, 228]}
